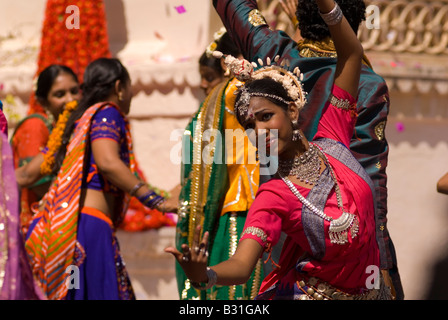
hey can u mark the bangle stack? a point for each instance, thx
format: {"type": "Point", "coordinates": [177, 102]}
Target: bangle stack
{"type": "Point", "coordinates": [334, 16]}
{"type": "Point", "coordinates": [151, 199]}
{"type": "Point", "coordinates": [212, 279]}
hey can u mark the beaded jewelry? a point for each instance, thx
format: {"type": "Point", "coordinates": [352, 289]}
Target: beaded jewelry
{"type": "Point", "coordinates": [339, 228]}
{"type": "Point", "coordinates": [306, 167]}
{"type": "Point", "coordinates": [296, 132]}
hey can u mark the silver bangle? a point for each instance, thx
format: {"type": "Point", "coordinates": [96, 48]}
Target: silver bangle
{"type": "Point", "coordinates": [135, 188]}
{"type": "Point", "coordinates": [334, 16]}
{"type": "Point", "coordinates": [212, 279]}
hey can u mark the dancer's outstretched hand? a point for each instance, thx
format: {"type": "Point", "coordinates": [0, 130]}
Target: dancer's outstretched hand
{"type": "Point", "coordinates": [193, 260]}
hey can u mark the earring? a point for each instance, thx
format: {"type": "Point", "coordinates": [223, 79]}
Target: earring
{"type": "Point", "coordinates": [296, 131]}
{"type": "Point", "coordinates": [120, 97]}
{"type": "Point", "coordinates": [227, 72]}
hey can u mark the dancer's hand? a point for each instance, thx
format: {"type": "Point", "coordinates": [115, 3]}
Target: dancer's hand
{"type": "Point", "coordinates": [290, 8]}
{"type": "Point", "coordinates": [193, 260]}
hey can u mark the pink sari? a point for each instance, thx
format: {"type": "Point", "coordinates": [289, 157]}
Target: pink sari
{"type": "Point", "coordinates": [308, 251]}
{"type": "Point", "coordinates": [16, 279]}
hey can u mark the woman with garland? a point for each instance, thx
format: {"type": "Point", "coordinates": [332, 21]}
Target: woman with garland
{"type": "Point", "coordinates": [71, 242]}
{"type": "Point", "coordinates": [321, 197]}
{"type": "Point", "coordinates": [216, 194]}
{"type": "Point", "coordinates": [56, 86]}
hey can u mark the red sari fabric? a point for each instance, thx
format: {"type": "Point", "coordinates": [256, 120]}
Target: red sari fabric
{"type": "Point", "coordinates": [277, 209]}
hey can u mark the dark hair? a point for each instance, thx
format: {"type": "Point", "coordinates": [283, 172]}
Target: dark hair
{"type": "Point", "coordinates": [99, 81]}
{"type": "Point", "coordinates": [265, 86]}
{"type": "Point", "coordinates": [48, 76]}
{"type": "Point", "coordinates": [226, 45]}
{"type": "Point", "coordinates": [211, 62]}
{"type": "Point", "coordinates": [312, 26]}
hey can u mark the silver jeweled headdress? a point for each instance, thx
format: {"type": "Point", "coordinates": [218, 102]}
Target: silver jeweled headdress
{"type": "Point", "coordinates": [245, 72]}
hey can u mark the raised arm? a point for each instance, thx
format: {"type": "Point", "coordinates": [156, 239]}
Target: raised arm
{"type": "Point", "coordinates": [29, 173]}
{"type": "Point", "coordinates": [348, 47]}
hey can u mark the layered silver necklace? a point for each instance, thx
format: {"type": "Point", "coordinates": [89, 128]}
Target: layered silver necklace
{"type": "Point", "coordinates": [339, 228]}
{"type": "Point", "coordinates": [306, 166]}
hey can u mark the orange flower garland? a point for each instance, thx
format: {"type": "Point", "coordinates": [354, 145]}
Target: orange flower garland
{"type": "Point", "coordinates": [75, 48]}
{"type": "Point", "coordinates": [55, 140]}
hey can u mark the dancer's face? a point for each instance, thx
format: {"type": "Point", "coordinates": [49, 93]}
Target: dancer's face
{"type": "Point", "coordinates": [266, 116]}
{"type": "Point", "coordinates": [64, 89]}
{"type": "Point", "coordinates": [209, 78]}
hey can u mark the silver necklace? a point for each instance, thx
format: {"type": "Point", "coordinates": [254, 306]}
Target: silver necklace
{"type": "Point", "coordinates": [338, 231]}
{"type": "Point", "coordinates": [306, 166]}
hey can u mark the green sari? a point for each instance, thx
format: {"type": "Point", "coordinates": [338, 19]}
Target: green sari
{"type": "Point", "coordinates": [204, 181]}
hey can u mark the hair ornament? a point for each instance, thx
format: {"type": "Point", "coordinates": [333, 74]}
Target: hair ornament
{"type": "Point", "coordinates": [216, 37]}
{"type": "Point", "coordinates": [246, 72]}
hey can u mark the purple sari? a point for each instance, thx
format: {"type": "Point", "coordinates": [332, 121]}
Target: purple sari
{"type": "Point", "coordinates": [16, 279]}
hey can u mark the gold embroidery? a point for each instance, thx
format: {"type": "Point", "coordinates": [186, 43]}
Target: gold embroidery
{"type": "Point", "coordinates": [232, 246]}
{"type": "Point", "coordinates": [201, 170]}
{"type": "Point", "coordinates": [325, 48]}
{"type": "Point", "coordinates": [342, 104]}
{"type": "Point", "coordinates": [379, 130]}
{"type": "Point", "coordinates": [256, 18]}
{"type": "Point", "coordinates": [257, 280]}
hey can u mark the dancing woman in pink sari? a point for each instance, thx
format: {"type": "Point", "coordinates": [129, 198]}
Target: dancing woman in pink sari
{"type": "Point", "coordinates": [320, 197]}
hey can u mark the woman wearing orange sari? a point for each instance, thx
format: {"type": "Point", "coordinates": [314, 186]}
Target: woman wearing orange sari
{"type": "Point", "coordinates": [56, 86]}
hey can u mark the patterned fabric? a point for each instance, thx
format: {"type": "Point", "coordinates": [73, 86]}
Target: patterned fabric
{"type": "Point", "coordinates": [108, 123]}
{"type": "Point", "coordinates": [369, 146]}
{"type": "Point", "coordinates": [52, 237]}
{"type": "Point", "coordinates": [205, 185]}
{"type": "Point", "coordinates": [16, 278]}
{"type": "Point", "coordinates": [29, 138]}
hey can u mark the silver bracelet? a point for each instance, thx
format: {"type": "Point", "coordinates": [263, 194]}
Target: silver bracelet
{"type": "Point", "coordinates": [135, 188]}
{"type": "Point", "coordinates": [212, 279]}
{"type": "Point", "coordinates": [334, 16]}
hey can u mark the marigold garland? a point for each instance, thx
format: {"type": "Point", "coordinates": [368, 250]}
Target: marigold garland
{"type": "Point", "coordinates": [55, 139]}
{"type": "Point", "coordinates": [88, 43]}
